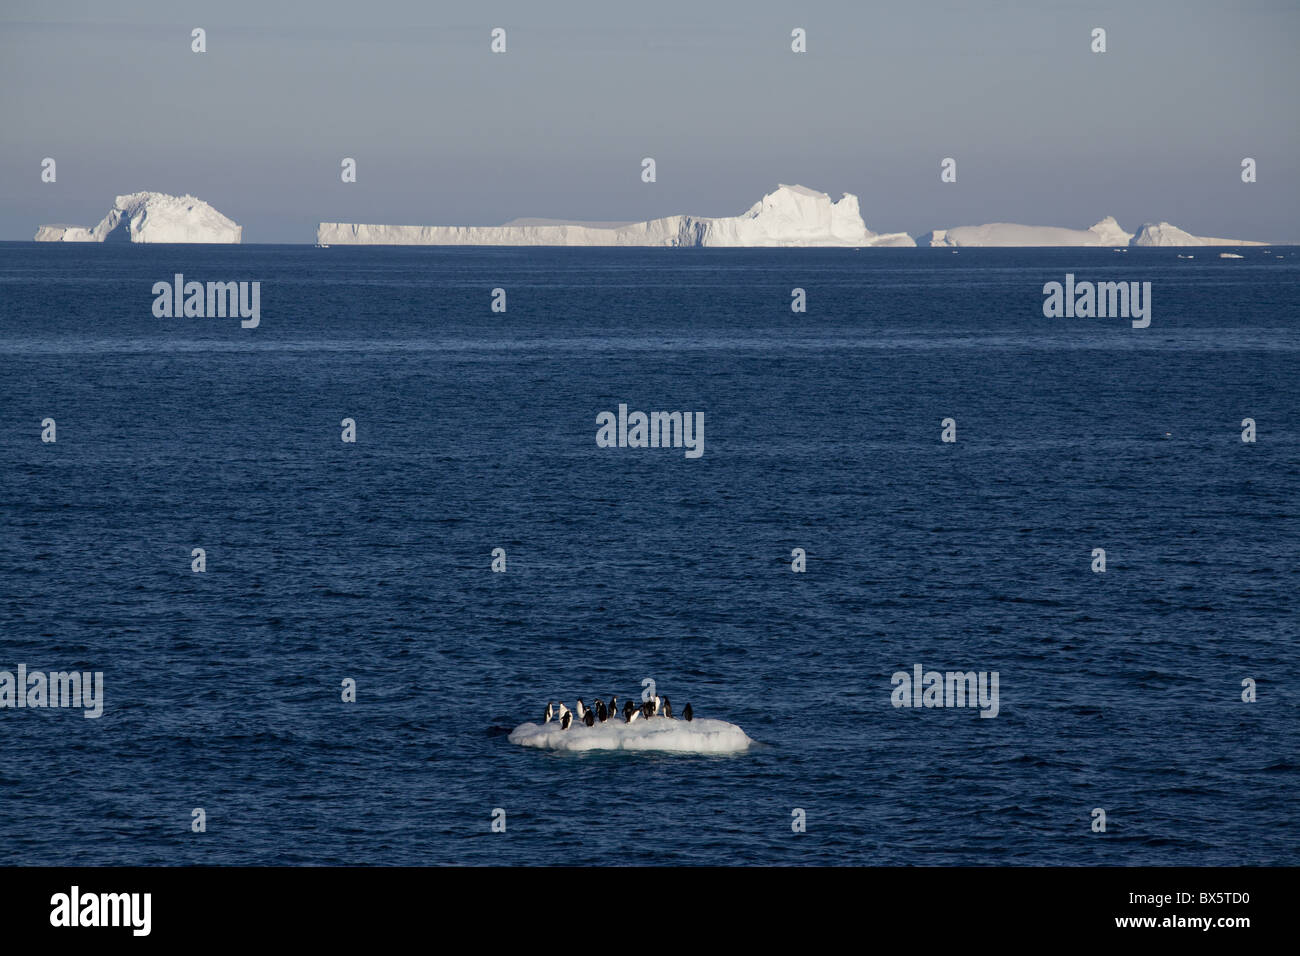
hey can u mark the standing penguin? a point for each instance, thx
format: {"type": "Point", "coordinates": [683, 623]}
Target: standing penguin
{"type": "Point", "coordinates": [687, 714]}
{"type": "Point", "coordinates": [668, 709]}
{"type": "Point", "coordinates": [613, 706]}
{"type": "Point", "coordinates": [580, 709]}
{"type": "Point", "coordinates": [647, 709]}
{"type": "Point", "coordinates": [565, 719]}
{"type": "Point", "coordinates": [589, 718]}
{"type": "Point", "coordinates": [550, 712]}
{"type": "Point", "coordinates": [627, 712]}
{"type": "Point", "coordinates": [601, 713]}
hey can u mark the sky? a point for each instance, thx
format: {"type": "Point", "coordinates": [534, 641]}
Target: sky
{"type": "Point", "coordinates": [444, 132]}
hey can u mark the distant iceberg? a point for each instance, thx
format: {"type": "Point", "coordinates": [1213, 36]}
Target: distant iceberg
{"type": "Point", "coordinates": [1163, 234]}
{"type": "Point", "coordinates": [699, 736]}
{"type": "Point", "coordinates": [1107, 232]}
{"type": "Point", "coordinates": [151, 217]}
{"type": "Point", "coordinates": [788, 216]}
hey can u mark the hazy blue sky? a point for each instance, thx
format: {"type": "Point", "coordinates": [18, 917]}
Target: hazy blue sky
{"type": "Point", "coordinates": [446, 133]}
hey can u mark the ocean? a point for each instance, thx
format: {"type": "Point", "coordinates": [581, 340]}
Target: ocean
{"type": "Point", "coordinates": [371, 561]}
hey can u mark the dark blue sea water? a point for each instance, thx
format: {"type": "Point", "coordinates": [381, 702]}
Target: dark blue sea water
{"type": "Point", "coordinates": [476, 430]}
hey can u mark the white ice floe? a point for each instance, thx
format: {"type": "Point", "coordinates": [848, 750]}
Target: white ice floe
{"type": "Point", "coordinates": [788, 216]}
{"type": "Point", "coordinates": [152, 217]}
{"type": "Point", "coordinates": [699, 736]}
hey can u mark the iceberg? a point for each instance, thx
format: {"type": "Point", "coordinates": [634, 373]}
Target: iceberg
{"type": "Point", "coordinates": [699, 736]}
{"type": "Point", "coordinates": [1107, 232]}
{"type": "Point", "coordinates": [62, 233]}
{"type": "Point", "coordinates": [1163, 234]}
{"type": "Point", "coordinates": [151, 217]}
{"type": "Point", "coordinates": [788, 216]}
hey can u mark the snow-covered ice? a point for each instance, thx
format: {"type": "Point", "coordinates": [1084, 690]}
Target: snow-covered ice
{"type": "Point", "coordinates": [152, 217]}
{"type": "Point", "coordinates": [1107, 232]}
{"type": "Point", "coordinates": [699, 736]}
{"type": "Point", "coordinates": [1163, 234]}
{"type": "Point", "coordinates": [788, 216]}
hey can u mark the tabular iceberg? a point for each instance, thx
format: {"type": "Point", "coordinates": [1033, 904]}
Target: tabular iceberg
{"type": "Point", "coordinates": [1108, 232]}
{"type": "Point", "coordinates": [1105, 233]}
{"type": "Point", "coordinates": [1163, 234]}
{"type": "Point", "coordinates": [789, 216]}
{"type": "Point", "coordinates": [151, 217]}
{"type": "Point", "coordinates": [699, 736]}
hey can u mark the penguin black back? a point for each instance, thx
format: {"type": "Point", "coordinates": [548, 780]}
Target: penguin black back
{"type": "Point", "coordinates": [589, 718]}
{"type": "Point", "coordinates": [602, 713]}
{"type": "Point", "coordinates": [668, 709]}
{"type": "Point", "coordinates": [687, 713]}
{"type": "Point", "coordinates": [566, 720]}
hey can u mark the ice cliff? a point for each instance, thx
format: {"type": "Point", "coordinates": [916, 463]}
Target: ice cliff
{"type": "Point", "coordinates": [151, 217]}
{"type": "Point", "coordinates": [789, 216]}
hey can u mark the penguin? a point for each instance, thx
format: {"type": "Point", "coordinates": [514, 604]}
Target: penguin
{"type": "Point", "coordinates": [601, 713]}
{"type": "Point", "coordinates": [580, 709]}
{"type": "Point", "coordinates": [562, 711]}
{"type": "Point", "coordinates": [647, 710]}
{"type": "Point", "coordinates": [589, 718]}
{"type": "Point", "coordinates": [627, 712]}
{"type": "Point", "coordinates": [634, 715]}
{"type": "Point", "coordinates": [613, 706]}
{"type": "Point", "coordinates": [654, 710]}
{"type": "Point", "coordinates": [550, 712]}
{"type": "Point", "coordinates": [566, 719]}
{"type": "Point", "coordinates": [668, 709]}
{"type": "Point", "coordinates": [687, 714]}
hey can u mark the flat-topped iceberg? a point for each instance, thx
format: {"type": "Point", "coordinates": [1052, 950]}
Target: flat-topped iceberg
{"type": "Point", "coordinates": [699, 736]}
{"type": "Point", "coordinates": [1163, 234]}
{"type": "Point", "coordinates": [1107, 232]}
{"type": "Point", "coordinates": [788, 216]}
{"type": "Point", "coordinates": [151, 217]}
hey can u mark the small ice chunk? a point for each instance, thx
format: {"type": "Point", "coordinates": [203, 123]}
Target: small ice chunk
{"type": "Point", "coordinates": [699, 736]}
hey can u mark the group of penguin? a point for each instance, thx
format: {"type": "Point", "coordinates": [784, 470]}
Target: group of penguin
{"type": "Point", "coordinates": [654, 707]}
